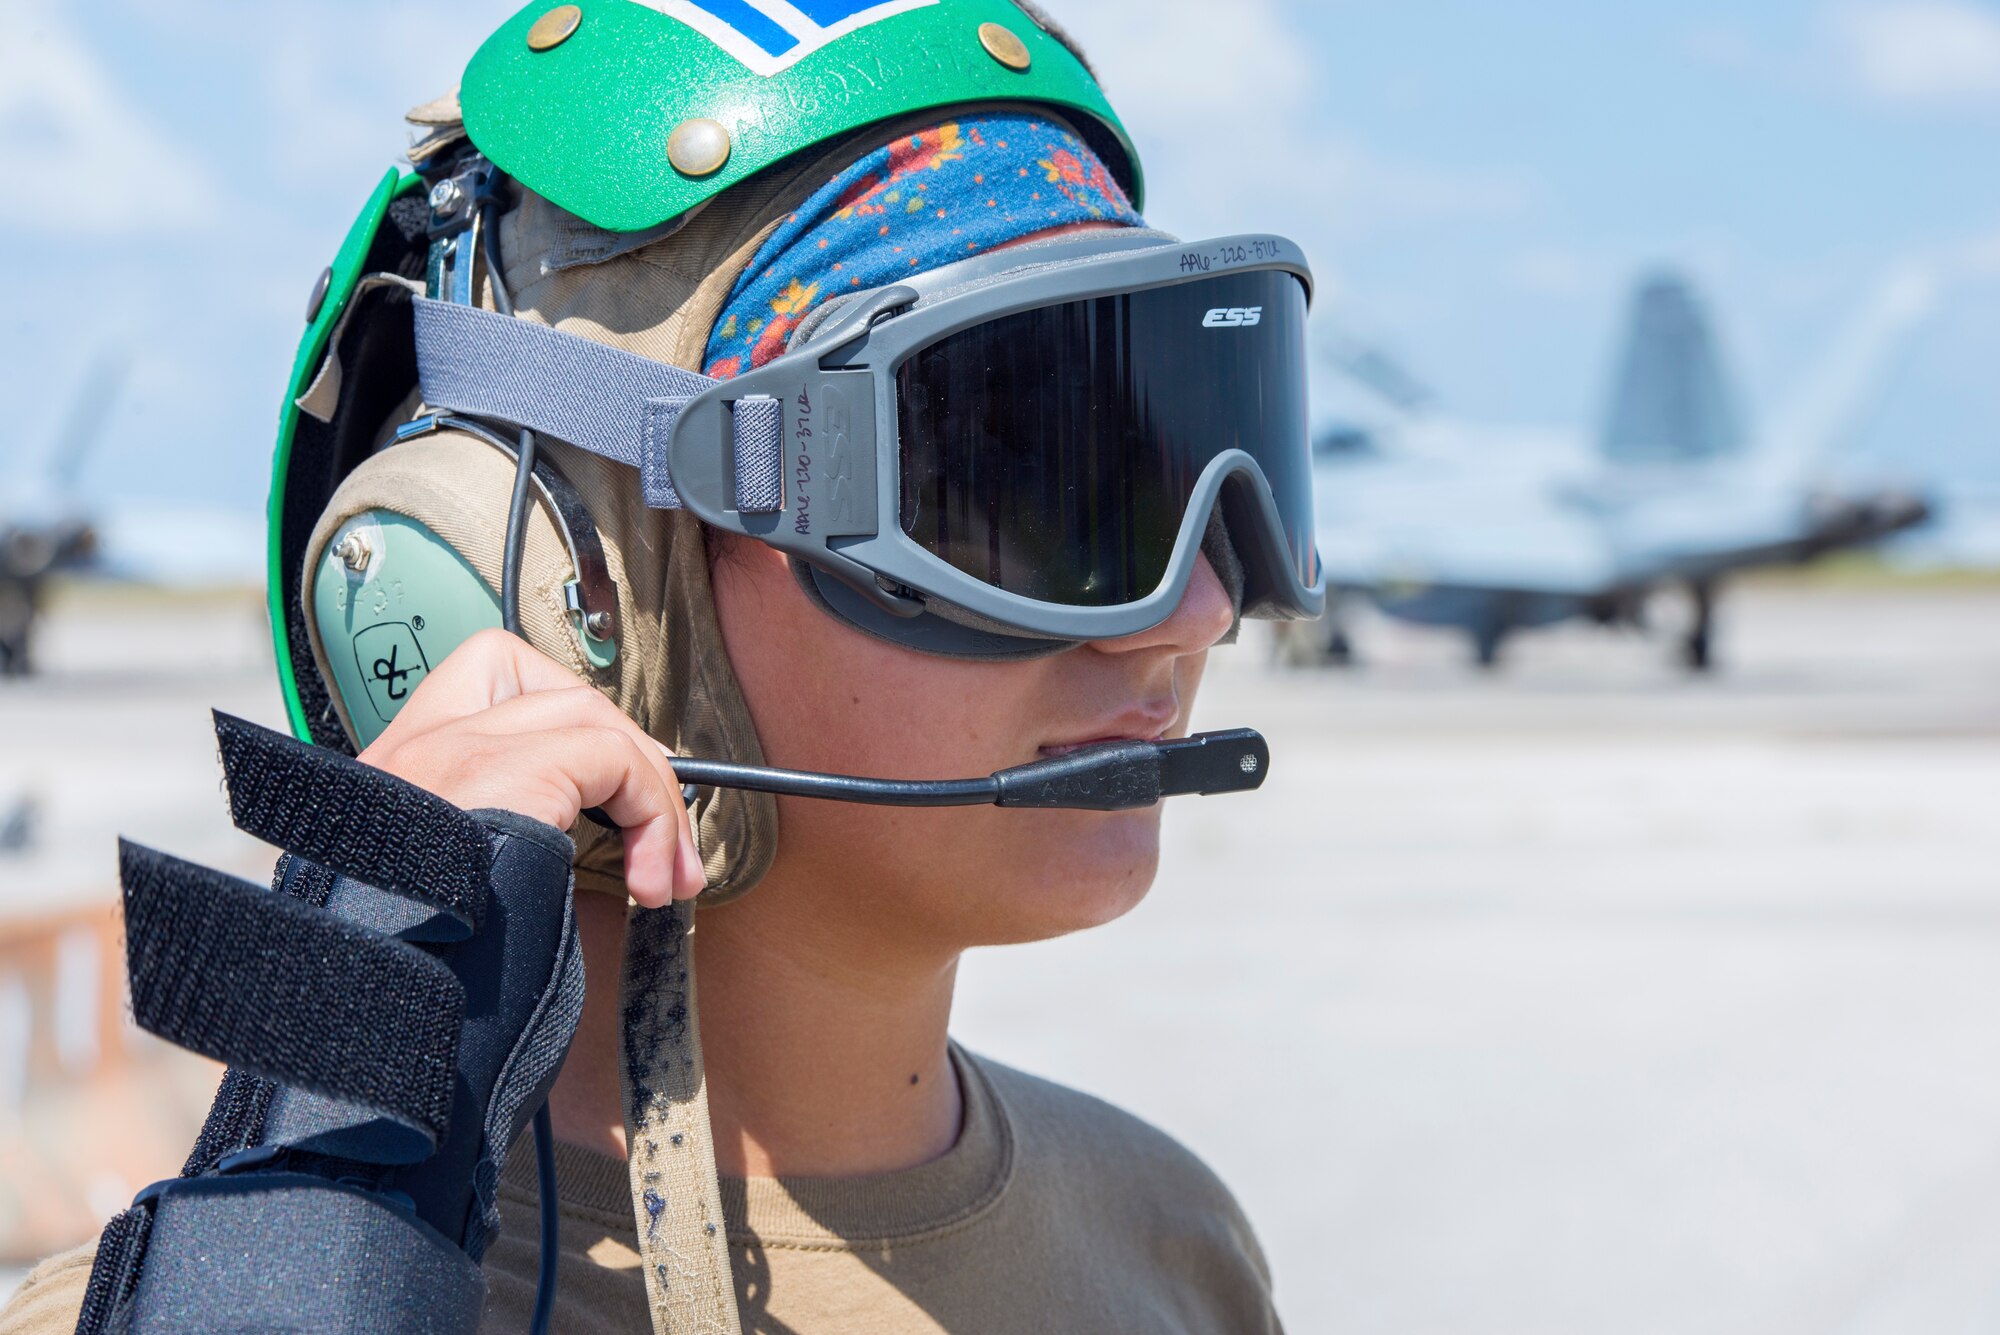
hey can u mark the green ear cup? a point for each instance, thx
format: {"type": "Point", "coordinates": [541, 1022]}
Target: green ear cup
{"type": "Point", "coordinates": [390, 599]}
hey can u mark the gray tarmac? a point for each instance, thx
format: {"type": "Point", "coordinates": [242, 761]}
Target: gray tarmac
{"type": "Point", "coordinates": [1583, 998]}
{"type": "Point", "coordinates": [1577, 998]}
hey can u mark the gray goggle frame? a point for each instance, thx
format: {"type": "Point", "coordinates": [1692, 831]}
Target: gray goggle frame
{"type": "Point", "coordinates": [802, 453]}
{"type": "Point", "coordinates": [836, 397]}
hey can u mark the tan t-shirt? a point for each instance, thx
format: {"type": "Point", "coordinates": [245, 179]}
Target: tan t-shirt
{"type": "Point", "coordinates": [1054, 1211]}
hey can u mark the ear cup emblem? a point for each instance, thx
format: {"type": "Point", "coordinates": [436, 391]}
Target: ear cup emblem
{"type": "Point", "coordinates": [391, 661]}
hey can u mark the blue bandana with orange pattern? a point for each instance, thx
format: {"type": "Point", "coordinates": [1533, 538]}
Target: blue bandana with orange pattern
{"type": "Point", "coordinates": [919, 202]}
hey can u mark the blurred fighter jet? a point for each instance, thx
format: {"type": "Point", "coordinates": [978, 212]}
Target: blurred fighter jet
{"type": "Point", "coordinates": [1490, 531]}
{"type": "Point", "coordinates": [44, 529]}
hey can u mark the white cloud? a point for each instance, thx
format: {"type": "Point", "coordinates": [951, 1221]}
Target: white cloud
{"type": "Point", "coordinates": [338, 77]}
{"type": "Point", "coordinates": [1221, 102]}
{"type": "Point", "coordinates": [325, 83]}
{"type": "Point", "coordinates": [1982, 257]}
{"type": "Point", "coordinates": [1918, 52]}
{"type": "Point", "coordinates": [1174, 63]}
{"type": "Point", "coordinates": [77, 154]}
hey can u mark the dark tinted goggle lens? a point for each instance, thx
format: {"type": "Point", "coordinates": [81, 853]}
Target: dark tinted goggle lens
{"type": "Point", "coordinates": [1052, 453]}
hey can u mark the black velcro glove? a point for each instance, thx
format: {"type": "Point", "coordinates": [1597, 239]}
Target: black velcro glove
{"type": "Point", "coordinates": [393, 1012]}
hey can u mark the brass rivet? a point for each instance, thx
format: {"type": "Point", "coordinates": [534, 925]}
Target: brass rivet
{"type": "Point", "coordinates": [1004, 46]}
{"type": "Point", "coordinates": [554, 28]}
{"type": "Point", "coordinates": [698, 147]}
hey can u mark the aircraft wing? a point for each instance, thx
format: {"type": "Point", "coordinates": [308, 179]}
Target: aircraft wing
{"type": "Point", "coordinates": [1734, 522]}
{"type": "Point", "coordinates": [1399, 526]}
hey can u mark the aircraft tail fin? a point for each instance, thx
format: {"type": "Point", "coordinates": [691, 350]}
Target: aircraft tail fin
{"type": "Point", "coordinates": [1375, 369]}
{"type": "Point", "coordinates": [1833, 402]}
{"type": "Point", "coordinates": [87, 416]}
{"type": "Point", "coordinates": [1670, 399]}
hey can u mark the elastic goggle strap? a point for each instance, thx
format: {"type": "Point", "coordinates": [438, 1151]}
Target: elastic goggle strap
{"type": "Point", "coordinates": [611, 403]}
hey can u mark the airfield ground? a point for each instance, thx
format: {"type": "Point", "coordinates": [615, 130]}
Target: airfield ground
{"type": "Point", "coordinates": [1577, 998]}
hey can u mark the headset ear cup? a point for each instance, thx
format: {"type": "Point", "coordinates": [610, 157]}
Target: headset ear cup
{"type": "Point", "coordinates": [388, 600]}
{"type": "Point", "coordinates": [407, 555]}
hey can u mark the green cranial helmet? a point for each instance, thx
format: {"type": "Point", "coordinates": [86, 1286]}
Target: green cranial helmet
{"type": "Point", "coordinates": [629, 113]}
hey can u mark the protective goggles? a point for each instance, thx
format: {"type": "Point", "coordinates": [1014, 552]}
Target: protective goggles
{"type": "Point", "coordinates": [1027, 447]}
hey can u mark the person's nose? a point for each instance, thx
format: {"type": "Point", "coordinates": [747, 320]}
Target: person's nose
{"type": "Point", "coordinates": [1203, 617]}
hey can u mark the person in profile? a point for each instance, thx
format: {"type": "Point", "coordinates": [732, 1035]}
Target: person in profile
{"type": "Point", "coordinates": [796, 385]}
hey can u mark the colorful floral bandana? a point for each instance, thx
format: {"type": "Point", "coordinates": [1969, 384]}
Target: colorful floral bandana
{"type": "Point", "coordinates": [917, 203]}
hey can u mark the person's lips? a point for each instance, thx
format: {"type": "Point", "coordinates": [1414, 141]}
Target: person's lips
{"type": "Point", "coordinates": [1145, 721]}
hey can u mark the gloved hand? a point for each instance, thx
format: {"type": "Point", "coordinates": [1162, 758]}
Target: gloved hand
{"type": "Point", "coordinates": [393, 1015]}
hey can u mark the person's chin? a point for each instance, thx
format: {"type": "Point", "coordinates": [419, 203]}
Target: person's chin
{"type": "Point", "coordinates": [1095, 872]}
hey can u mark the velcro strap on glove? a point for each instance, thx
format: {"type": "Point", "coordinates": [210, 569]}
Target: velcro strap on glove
{"type": "Point", "coordinates": [270, 984]}
{"type": "Point", "coordinates": [393, 1014]}
{"type": "Point", "coordinates": [354, 819]}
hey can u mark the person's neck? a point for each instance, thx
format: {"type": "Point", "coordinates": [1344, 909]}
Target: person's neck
{"type": "Point", "coordinates": [826, 1056]}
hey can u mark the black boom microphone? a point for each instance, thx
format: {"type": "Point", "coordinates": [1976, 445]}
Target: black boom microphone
{"type": "Point", "coordinates": [1110, 776]}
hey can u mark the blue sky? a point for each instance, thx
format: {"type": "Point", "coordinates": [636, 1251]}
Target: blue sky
{"type": "Point", "coordinates": [1477, 185]}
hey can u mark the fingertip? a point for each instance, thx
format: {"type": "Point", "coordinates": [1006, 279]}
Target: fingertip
{"type": "Point", "coordinates": [651, 868]}
{"type": "Point", "coordinates": [691, 878]}
{"type": "Point", "coordinates": [649, 897]}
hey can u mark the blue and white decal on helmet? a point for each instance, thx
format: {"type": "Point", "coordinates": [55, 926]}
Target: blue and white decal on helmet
{"type": "Point", "coordinates": [771, 36]}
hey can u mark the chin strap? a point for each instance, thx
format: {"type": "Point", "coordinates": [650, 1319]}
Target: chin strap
{"type": "Point", "coordinates": [670, 1149]}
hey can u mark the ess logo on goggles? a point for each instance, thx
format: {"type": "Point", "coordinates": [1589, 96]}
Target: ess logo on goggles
{"type": "Point", "coordinates": [1030, 443]}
